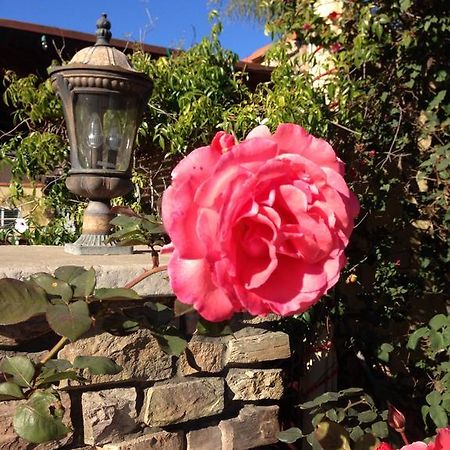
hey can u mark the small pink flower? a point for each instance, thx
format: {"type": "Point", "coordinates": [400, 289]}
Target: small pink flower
{"type": "Point", "coordinates": [335, 47]}
{"type": "Point", "coordinates": [397, 263]}
{"type": "Point", "coordinates": [306, 26]}
{"type": "Point", "coordinates": [258, 226]}
{"type": "Point", "coordinates": [372, 153]}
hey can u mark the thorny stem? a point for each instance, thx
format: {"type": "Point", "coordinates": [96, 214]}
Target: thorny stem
{"type": "Point", "coordinates": [60, 344]}
{"type": "Point", "coordinates": [145, 275]}
{"type": "Point", "coordinates": [403, 435]}
{"type": "Point", "coordinates": [56, 348]}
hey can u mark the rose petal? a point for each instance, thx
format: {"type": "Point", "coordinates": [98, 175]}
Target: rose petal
{"type": "Point", "coordinates": [191, 282]}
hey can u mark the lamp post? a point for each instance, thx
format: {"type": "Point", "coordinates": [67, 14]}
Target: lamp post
{"type": "Point", "coordinates": [103, 100]}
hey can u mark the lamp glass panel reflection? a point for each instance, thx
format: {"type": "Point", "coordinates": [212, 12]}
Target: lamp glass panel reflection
{"type": "Point", "coordinates": [105, 127]}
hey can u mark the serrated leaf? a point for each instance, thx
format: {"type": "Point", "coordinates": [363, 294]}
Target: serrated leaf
{"type": "Point", "coordinates": [59, 365]}
{"type": "Point", "coordinates": [52, 376]}
{"type": "Point", "coordinates": [433, 398]}
{"type": "Point", "coordinates": [53, 286]}
{"type": "Point", "coordinates": [84, 284]}
{"type": "Point", "coordinates": [356, 433]}
{"type": "Point", "coordinates": [20, 367]}
{"type": "Point", "coordinates": [171, 342]}
{"type": "Point", "coordinates": [40, 418]}
{"type": "Point", "coordinates": [439, 416]}
{"type": "Point", "coordinates": [367, 416]}
{"type": "Point", "coordinates": [97, 365]}
{"type": "Point", "coordinates": [290, 436]}
{"type": "Point", "coordinates": [71, 321]}
{"type": "Point", "coordinates": [414, 338]}
{"type": "Point", "coordinates": [380, 429]}
{"type": "Point", "coordinates": [439, 321]}
{"type": "Point", "coordinates": [20, 300]}
{"type": "Point", "coordinates": [10, 391]}
{"type": "Point", "coordinates": [68, 273]}
{"type": "Point", "coordinates": [105, 294]}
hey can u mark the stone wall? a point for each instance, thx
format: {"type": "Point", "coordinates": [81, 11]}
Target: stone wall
{"type": "Point", "coordinates": [222, 393]}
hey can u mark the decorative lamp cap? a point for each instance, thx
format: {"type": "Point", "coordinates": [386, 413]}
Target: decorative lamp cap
{"type": "Point", "coordinates": [103, 32]}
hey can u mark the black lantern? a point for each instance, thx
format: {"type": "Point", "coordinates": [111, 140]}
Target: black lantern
{"type": "Point", "coordinates": [103, 99]}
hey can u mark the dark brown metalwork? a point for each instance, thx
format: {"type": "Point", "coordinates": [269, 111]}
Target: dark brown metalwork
{"type": "Point", "coordinates": [103, 100]}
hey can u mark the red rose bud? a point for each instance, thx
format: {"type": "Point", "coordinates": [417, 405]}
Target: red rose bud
{"type": "Point", "coordinates": [372, 153]}
{"type": "Point", "coordinates": [306, 26]}
{"type": "Point", "coordinates": [334, 48]}
{"type": "Point", "coordinates": [396, 419]}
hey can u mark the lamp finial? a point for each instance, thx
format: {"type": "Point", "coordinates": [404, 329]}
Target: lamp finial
{"type": "Point", "coordinates": [103, 33]}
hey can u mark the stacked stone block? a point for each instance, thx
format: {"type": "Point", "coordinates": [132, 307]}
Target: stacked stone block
{"type": "Point", "coordinates": [221, 393]}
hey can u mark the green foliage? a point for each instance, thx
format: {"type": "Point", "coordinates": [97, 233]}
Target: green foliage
{"type": "Point", "coordinates": [432, 342]}
{"type": "Point", "coordinates": [348, 419]}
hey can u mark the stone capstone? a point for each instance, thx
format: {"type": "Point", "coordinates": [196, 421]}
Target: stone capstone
{"type": "Point", "coordinates": [161, 440]}
{"type": "Point", "coordinates": [180, 401]}
{"type": "Point", "coordinates": [108, 415]}
{"type": "Point", "coordinates": [138, 353]}
{"type": "Point", "coordinates": [268, 346]}
{"type": "Point", "coordinates": [255, 384]}
{"type": "Point", "coordinates": [255, 426]}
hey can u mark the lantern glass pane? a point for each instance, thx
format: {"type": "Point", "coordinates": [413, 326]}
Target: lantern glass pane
{"type": "Point", "coordinates": [106, 126]}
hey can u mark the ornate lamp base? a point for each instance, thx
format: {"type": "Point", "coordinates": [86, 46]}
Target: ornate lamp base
{"type": "Point", "coordinates": [96, 244]}
{"type": "Point", "coordinates": [96, 232]}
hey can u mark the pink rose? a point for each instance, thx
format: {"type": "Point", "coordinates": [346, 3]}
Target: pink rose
{"type": "Point", "coordinates": [384, 446]}
{"type": "Point", "coordinates": [415, 446]}
{"type": "Point", "coordinates": [259, 226]}
{"type": "Point", "coordinates": [442, 441]}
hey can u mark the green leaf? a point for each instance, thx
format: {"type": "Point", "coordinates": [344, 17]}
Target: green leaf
{"type": "Point", "coordinates": [171, 342]}
{"type": "Point", "coordinates": [356, 433]}
{"type": "Point", "coordinates": [10, 391]}
{"type": "Point", "coordinates": [97, 365]}
{"type": "Point", "coordinates": [380, 429]}
{"type": "Point", "coordinates": [324, 398]}
{"type": "Point", "coordinates": [180, 309]}
{"type": "Point", "coordinates": [290, 436]}
{"type": "Point", "coordinates": [20, 300]}
{"type": "Point", "coordinates": [405, 5]}
{"type": "Point", "coordinates": [53, 286]}
{"type": "Point", "coordinates": [68, 273]}
{"type": "Point", "coordinates": [414, 338]}
{"type": "Point", "coordinates": [116, 294]}
{"type": "Point", "coordinates": [439, 416]}
{"type": "Point", "coordinates": [332, 436]}
{"type": "Point", "coordinates": [366, 442]}
{"type": "Point", "coordinates": [59, 365]}
{"type": "Point", "coordinates": [158, 314]}
{"type": "Point", "coordinates": [436, 340]}
{"type": "Point", "coordinates": [72, 320]}
{"type": "Point", "coordinates": [439, 321]}
{"type": "Point", "coordinates": [40, 418]}
{"type": "Point", "coordinates": [350, 391]}
{"type": "Point", "coordinates": [84, 283]}
{"type": "Point", "coordinates": [20, 367]}
{"type": "Point", "coordinates": [437, 100]}
{"type": "Point", "coordinates": [367, 416]}
{"type": "Point", "coordinates": [206, 328]}
{"type": "Point", "coordinates": [433, 398]}
{"type": "Point", "coordinates": [51, 377]}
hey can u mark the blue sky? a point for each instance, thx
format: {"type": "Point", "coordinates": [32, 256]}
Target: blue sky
{"type": "Point", "coordinates": [173, 23]}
